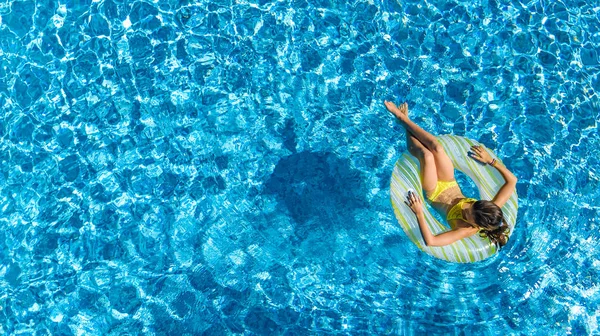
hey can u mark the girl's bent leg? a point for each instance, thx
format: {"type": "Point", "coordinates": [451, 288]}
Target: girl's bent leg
{"type": "Point", "coordinates": [427, 163]}
{"type": "Point", "coordinates": [444, 166]}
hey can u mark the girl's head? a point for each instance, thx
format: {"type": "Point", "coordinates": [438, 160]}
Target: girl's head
{"type": "Point", "coordinates": [488, 216]}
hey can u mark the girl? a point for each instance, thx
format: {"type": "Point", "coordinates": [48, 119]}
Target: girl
{"type": "Point", "coordinates": [466, 216]}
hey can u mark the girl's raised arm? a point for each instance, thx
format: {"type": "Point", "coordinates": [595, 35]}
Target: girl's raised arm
{"type": "Point", "coordinates": [510, 180]}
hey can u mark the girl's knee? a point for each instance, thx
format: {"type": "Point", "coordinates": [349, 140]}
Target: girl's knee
{"type": "Point", "coordinates": [421, 153]}
{"type": "Point", "coordinates": [437, 148]}
{"type": "Point", "coordinates": [428, 155]}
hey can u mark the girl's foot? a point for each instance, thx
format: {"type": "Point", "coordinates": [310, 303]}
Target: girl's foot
{"type": "Point", "coordinates": [400, 112]}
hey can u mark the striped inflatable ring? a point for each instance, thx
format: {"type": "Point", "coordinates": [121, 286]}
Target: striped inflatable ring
{"type": "Point", "coordinates": [405, 177]}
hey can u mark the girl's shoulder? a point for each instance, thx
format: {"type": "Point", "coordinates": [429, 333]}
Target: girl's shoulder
{"type": "Point", "coordinates": [465, 227]}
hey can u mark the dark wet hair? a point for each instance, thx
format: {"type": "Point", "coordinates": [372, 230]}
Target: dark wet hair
{"type": "Point", "coordinates": [488, 216]}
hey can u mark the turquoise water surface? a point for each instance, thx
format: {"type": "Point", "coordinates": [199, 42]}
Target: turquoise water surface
{"type": "Point", "coordinates": [181, 167]}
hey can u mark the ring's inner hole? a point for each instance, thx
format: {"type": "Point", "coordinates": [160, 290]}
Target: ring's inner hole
{"type": "Point", "coordinates": [468, 187]}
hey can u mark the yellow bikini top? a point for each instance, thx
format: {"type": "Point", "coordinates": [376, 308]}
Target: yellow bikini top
{"type": "Point", "coordinates": [456, 211]}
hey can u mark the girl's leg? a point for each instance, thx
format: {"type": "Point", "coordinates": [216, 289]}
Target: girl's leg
{"type": "Point", "coordinates": [443, 164]}
{"type": "Point", "coordinates": [428, 171]}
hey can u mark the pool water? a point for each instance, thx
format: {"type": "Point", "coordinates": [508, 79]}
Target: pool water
{"type": "Point", "coordinates": [222, 167]}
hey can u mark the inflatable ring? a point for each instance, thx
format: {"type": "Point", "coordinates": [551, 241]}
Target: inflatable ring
{"type": "Point", "coordinates": [405, 177]}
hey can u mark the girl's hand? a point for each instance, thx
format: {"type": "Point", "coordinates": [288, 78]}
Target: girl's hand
{"type": "Point", "coordinates": [414, 203]}
{"type": "Point", "coordinates": [480, 154]}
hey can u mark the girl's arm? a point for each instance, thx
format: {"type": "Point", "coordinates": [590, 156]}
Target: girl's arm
{"type": "Point", "coordinates": [510, 180]}
{"type": "Point", "coordinates": [446, 238]}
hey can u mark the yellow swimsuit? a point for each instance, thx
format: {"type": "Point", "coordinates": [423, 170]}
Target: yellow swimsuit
{"type": "Point", "coordinates": [456, 212]}
{"type": "Point", "coordinates": [440, 188]}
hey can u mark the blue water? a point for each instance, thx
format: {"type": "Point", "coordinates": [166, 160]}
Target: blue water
{"type": "Point", "coordinates": [222, 167]}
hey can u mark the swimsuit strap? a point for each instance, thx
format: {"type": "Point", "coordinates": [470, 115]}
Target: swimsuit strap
{"type": "Point", "coordinates": [456, 211]}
